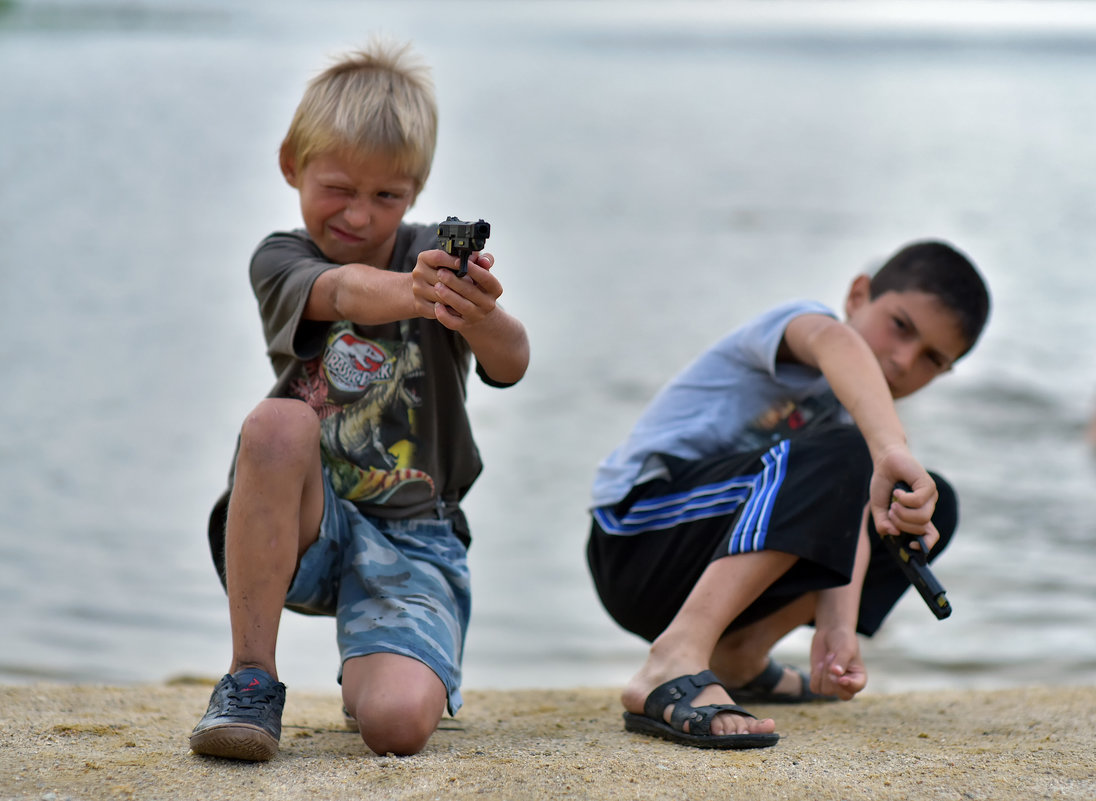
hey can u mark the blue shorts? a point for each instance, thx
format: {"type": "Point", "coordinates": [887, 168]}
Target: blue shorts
{"type": "Point", "coordinates": [393, 586]}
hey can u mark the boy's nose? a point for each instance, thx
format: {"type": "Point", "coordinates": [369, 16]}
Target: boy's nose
{"type": "Point", "coordinates": [356, 213]}
{"type": "Point", "coordinates": [904, 356]}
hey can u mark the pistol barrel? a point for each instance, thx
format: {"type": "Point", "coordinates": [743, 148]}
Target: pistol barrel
{"type": "Point", "coordinates": [914, 564]}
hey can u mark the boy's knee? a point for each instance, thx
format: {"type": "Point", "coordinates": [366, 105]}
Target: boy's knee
{"type": "Point", "coordinates": [279, 429]}
{"type": "Point", "coordinates": [398, 724]}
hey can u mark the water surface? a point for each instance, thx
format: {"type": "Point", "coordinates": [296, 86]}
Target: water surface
{"type": "Point", "coordinates": [652, 179]}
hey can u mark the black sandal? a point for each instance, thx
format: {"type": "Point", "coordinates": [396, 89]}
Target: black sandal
{"type": "Point", "coordinates": [680, 692]}
{"type": "Point", "coordinates": [760, 690]}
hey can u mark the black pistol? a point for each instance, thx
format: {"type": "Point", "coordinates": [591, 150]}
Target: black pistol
{"type": "Point", "coordinates": [459, 238]}
{"type": "Point", "coordinates": [914, 564]}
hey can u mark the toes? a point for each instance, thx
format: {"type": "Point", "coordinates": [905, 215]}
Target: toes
{"type": "Point", "coordinates": [729, 723]}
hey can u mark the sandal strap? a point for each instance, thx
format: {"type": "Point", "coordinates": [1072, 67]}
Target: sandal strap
{"type": "Point", "coordinates": [700, 718]}
{"type": "Point", "coordinates": [767, 679]}
{"type": "Point", "coordinates": [683, 689]}
{"type": "Point", "coordinates": [680, 693]}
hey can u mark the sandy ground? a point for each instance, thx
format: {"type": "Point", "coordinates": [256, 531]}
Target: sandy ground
{"type": "Point", "coordinates": [63, 742]}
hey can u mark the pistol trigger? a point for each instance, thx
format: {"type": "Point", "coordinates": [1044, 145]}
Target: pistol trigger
{"type": "Point", "coordinates": [916, 554]}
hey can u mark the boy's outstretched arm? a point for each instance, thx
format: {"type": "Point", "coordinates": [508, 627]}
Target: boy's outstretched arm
{"type": "Point", "coordinates": [469, 306]}
{"type": "Point", "coordinates": [857, 380]}
{"type": "Point", "coordinates": [836, 665]}
{"type": "Point", "coordinates": [371, 296]}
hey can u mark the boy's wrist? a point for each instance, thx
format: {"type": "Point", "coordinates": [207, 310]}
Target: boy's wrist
{"type": "Point", "coordinates": [835, 627]}
{"type": "Point", "coordinates": [837, 609]}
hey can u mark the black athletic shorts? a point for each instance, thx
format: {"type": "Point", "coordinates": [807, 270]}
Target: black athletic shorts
{"type": "Point", "coordinates": [803, 496]}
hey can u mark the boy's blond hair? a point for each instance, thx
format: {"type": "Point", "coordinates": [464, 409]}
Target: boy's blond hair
{"type": "Point", "coordinates": [375, 101]}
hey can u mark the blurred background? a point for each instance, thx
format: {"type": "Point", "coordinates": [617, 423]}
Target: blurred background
{"type": "Point", "coordinates": [654, 173]}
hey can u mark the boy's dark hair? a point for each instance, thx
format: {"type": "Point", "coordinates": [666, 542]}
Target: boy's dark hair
{"type": "Point", "coordinates": [938, 269]}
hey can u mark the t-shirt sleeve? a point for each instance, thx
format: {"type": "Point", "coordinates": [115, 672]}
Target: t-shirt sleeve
{"type": "Point", "coordinates": [759, 340]}
{"type": "Point", "coordinates": [283, 269]}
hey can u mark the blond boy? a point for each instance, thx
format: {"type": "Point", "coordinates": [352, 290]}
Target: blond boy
{"type": "Point", "coordinates": [345, 495]}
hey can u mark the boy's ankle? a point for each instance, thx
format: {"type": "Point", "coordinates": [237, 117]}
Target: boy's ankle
{"type": "Point", "coordinates": [268, 669]}
{"type": "Point", "coordinates": [737, 666]}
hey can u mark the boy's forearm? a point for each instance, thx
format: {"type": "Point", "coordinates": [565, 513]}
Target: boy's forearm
{"type": "Point", "coordinates": [369, 296]}
{"type": "Point", "coordinates": [856, 378]}
{"type": "Point", "coordinates": [839, 607]}
{"type": "Point", "coordinates": [362, 294]}
{"type": "Point", "coordinates": [500, 345]}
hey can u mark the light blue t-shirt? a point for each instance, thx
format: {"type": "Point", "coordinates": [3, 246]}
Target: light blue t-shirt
{"type": "Point", "coordinates": [719, 402]}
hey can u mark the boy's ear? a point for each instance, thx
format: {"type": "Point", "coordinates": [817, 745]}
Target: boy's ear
{"type": "Point", "coordinates": [859, 294]}
{"type": "Point", "coordinates": [288, 162]}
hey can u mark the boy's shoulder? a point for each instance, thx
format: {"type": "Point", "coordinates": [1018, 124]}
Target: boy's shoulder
{"type": "Point", "coordinates": [754, 344]}
{"type": "Point", "coordinates": [797, 307]}
{"type": "Point", "coordinates": [774, 320]}
{"type": "Point", "coordinates": [293, 244]}
{"type": "Point", "coordinates": [286, 244]}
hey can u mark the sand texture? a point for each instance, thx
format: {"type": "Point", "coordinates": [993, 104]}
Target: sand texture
{"type": "Point", "coordinates": [84, 742]}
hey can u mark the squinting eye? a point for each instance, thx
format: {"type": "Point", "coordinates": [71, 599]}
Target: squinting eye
{"type": "Point", "coordinates": [937, 360]}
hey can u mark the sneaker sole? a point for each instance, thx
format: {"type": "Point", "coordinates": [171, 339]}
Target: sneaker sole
{"type": "Point", "coordinates": [235, 741]}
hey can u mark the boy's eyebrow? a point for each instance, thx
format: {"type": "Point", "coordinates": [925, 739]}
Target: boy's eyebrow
{"type": "Point", "coordinates": [332, 175]}
{"type": "Point", "coordinates": [907, 320]}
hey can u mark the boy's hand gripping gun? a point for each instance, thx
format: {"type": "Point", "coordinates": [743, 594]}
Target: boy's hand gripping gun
{"type": "Point", "coordinates": [459, 238]}
{"type": "Point", "coordinates": [914, 564]}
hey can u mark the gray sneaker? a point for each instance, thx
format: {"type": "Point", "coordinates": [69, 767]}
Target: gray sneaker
{"type": "Point", "coordinates": [244, 719]}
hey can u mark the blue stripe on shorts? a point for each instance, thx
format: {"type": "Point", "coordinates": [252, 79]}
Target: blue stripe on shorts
{"type": "Point", "coordinates": [757, 491]}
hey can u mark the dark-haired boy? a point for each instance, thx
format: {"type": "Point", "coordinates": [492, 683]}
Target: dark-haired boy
{"type": "Point", "coordinates": [736, 510]}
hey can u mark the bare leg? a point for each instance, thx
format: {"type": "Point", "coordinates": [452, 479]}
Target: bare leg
{"type": "Point", "coordinates": [724, 590]}
{"type": "Point", "coordinates": [742, 654]}
{"type": "Point", "coordinates": [397, 701]}
{"type": "Point", "coordinates": [274, 514]}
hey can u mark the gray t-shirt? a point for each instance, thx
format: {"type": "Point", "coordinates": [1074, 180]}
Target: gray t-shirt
{"type": "Point", "coordinates": [732, 398]}
{"type": "Point", "coordinates": [396, 439]}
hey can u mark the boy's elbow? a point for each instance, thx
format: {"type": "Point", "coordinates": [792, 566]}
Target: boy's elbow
{"type": "Point", "coordinates": [508, 374]}
{"type": "Point", "coordinates": [509, 367]}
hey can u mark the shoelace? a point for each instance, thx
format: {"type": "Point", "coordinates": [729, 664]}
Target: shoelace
{"type": "Point", "coordinates": [251, 703]}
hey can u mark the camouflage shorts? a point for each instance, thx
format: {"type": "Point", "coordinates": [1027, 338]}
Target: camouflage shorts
{"type": "Point", "coordinates": [394, 586]}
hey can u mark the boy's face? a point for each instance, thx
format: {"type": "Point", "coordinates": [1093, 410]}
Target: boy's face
{"type": "Point", "coordinates": [351, 207]}
{"type": "Point", "coordinates": [913, 335]}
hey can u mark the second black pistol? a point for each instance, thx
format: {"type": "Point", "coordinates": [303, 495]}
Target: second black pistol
{"type": "Point", "coordinates": [914, 564]}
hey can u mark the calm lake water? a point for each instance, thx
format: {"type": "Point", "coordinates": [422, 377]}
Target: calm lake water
{"type": "Point", "coordinates": [654, 174]}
